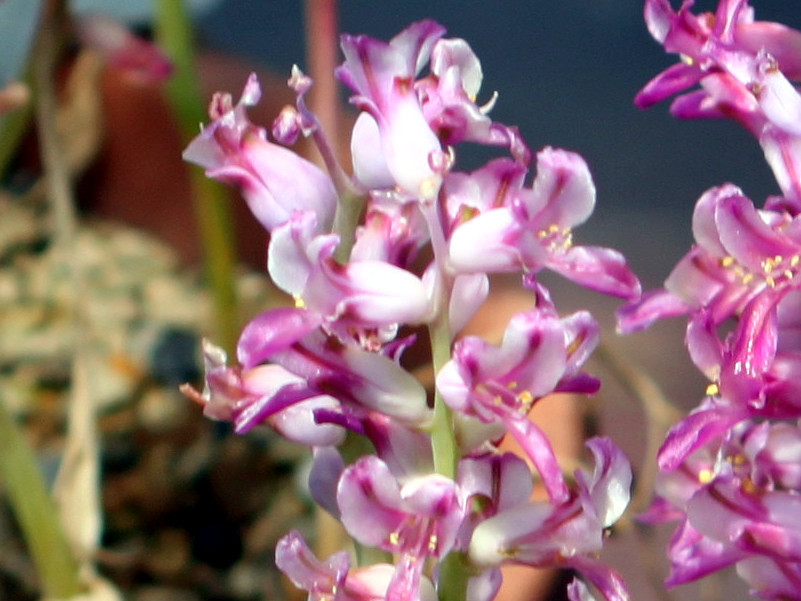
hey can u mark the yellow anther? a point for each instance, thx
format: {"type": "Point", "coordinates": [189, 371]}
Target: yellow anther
{"type": "Point", "coordinates": [705, 476]}
{"type": "Point", "coordinates": [712, 390]}
{"type": "Point", "coordinates": [748, 278]}
{"type": "Point", "coordinates": [432, 543]}
{"type": "Point", "coordinates": [738, 459]}
{"type": "Point", "coordinates": [497, 401]}
{"type": "Point", "coordinates": [394, 538]}
{"type": "Point", "coordinates": [553, 229]}
{"type": "Point", "coordinates": [748, 486]}
{"type": "Point", "coordinates": [300, 303]}
{"type": "Point", "coordinates": [429, 188]}
{"type": "Point", "coordinates": [770, 282]}
{"type": "Point", "coordinates": [727, 261]}
{"type": "Point", "coordinates": [795, 261]}
{"type": "Point", "coordinates": [511, 385]}
{"type": "Point", "coordinates": [526, 397]}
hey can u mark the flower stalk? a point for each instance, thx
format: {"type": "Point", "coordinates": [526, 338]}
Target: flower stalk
{"type": "Point", "coordinates": [408, 240]}
{"type": "Point", "coordinates": [211, 205]}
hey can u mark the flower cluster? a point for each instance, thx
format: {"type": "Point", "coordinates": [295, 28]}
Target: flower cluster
{"type": "Point", "coordinates": [408, 241]}
{"type": "Point", "coordinates": [730, 468]}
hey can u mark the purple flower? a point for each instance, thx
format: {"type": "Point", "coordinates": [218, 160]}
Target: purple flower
{"type": "Point", "coordinates": [417, 519]}
{"type": "Point", "coordinates": [334, 579]}
{"type": "Point", "coordinates": [539, 354]}
{"type": "Point", "coordinates": [744, 68]}
{"type": "Point", "coordinates": [382, 75]}
{"type": "Point", "coordinates": [411, 119]}
{"type": "Point", "coordinates": [566, 534]}
{"type": "Point", "coordinates": [360, 380]}
{"type": "Point", "coordinates": [448, 97]}
{"type": "Point", "coordinates": [366, 293]}
{"type": "Point", "coordinates": [533, 230]}
{"type": "Point", "coordinates": [275, 181]}
{"type": "Point", "coordinates": [722, 51]}
{"type": "Point", "coordinates": [737, 501]}
{"type": "Point", "coordinates": [745, 265]}
{"type": "Point", "coordinates": [308, 367]}
{"type": "Point", "coordinates": [239, 396]}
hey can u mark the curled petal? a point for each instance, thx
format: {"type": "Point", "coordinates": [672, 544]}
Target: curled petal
{"type": "Point", "coordinates": [456, 53]}
{"type": "Point", "coordinates": [608, 582]}
{"type": "Point", "coordinates": [704, 346]}
{"type": "Point", "coordinates": [778, 98]}
{"type": "Point", "coordinates": [746, 235]}
{"type": "Point", "coordinates": [563, 193]}
{"type": "Point", "coordinates": [651, 307]}
{"type": "Point", "coordinates": [369, 167]}
{"type": "Point", "coordinates": [693, 555]}
{"type": "Point", "coordinates": [294, 558]}
{"type": "Point", "coordinates": [486, 243]}
{"type": "Point", "coordinates": [608, 489]}
{"type": "Point", "coordinates": [597, 268]}
{"type": "Point", "coordinates": [695, 430]}
{"type": "Point", "coordinates": [274, 331]}
{"type": "Point", "coordinates": [324, 476]}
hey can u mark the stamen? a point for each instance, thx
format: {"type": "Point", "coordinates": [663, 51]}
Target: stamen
{"type": "Point", "coordinates": [705, 476]}
{"type": "Point", "coordinates": [526, 399]}
{"type": "Point", "coordinates": [429, 188]}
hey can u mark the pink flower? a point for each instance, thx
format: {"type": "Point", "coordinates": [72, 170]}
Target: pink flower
{"type": "Point", "coordinates": [417, 519]}
{"type": "Point", "coordinates": [744, 68]}
{"type": "Point", "coordinates": [566, 534]}
{"type": "Point", "coordinates": [539, 354]}
{"type": "Point", "coordinates": [359, 379]}
{"type": "Point", "coordinates": [334, 578]}
{"type": "Point", "coordinates": [368, 293]}
{"type": "Point", "coordinates": [241, 396]}
{"type": "Point", "coordinates": [533, 230]}
{"type": "Point", "coordinates": [275, 181]}
{"type": "Point", "coordinates": [382, 75]}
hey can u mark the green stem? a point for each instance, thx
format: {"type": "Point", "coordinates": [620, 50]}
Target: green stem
{"type": "Point", "coordinates": [346, 220]}
{"type": "Point", "coordinates": [12, 129]}
{"type": "Point", "coordinates": [212, 209]}
{"type": "Point", "coordinates": [35, 513]}
{"type": "Point", "coordinates": [443, 439]}
{"type": "Point", "coordinates": [452, 585]}
{"type": "Point", "coordinates": [452, 582]}
{"type": "Point", "coordinates": [453, 573]}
